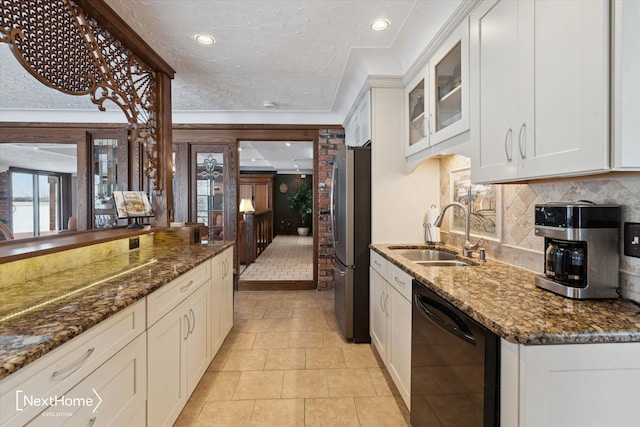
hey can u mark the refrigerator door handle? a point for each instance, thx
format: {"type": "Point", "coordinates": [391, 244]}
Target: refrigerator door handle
{"type": "Point", "coordinates": [334, 173]}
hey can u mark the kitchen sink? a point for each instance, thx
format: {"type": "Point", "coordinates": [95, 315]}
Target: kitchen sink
{"type": "Point", "coordinates": [431, 257]}
{"type": "Point", "coordinates": [425, 254]}
{"type": "Point", "coordinates": [443, 263]}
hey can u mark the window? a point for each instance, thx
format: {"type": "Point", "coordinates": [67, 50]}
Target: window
{"type": "Point", "coordinates": [36, 202]}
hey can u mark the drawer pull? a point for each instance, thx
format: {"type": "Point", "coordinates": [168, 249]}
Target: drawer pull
{"type": "Point", "coordinates": [377, 263]}
{"type": "Point", "coordinates": [399, 281]}
{"type": "Point", "coordinates": [74, 365]}
{"type": "Point", "coordinates": [187, 286]}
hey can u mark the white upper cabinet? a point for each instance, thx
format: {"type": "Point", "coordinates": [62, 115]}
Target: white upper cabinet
{"type": "Point", "coordinates": [449, 87]}
{"type": "Point", "coordinates": [416, 113]}
{"type": "Point", "coordinates": [437, 99]}
{"type": "Point", "coordinates": [539, 89]}
{"type": "Point", "coordinates": [358, 128]}
{"type": "Point", "coordinates": [626, 85]}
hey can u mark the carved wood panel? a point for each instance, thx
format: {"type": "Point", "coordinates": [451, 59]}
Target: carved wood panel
{"type": "Point", "coordinates": [65, 49]}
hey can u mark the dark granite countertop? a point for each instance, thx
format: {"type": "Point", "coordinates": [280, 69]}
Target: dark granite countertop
{"type": "Point", "coordinates": [505, 299]}
{"type": "Point", "coordinates": [40, 315]}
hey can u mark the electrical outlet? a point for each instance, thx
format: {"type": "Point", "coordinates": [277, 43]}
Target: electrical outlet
{"type": "Point", "coordinates": [632, 239]}
{"type": "Point", "coordinates": [134, 243]}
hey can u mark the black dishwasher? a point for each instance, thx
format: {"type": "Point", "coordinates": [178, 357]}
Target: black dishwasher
{"type": "Point", "coordinates": [455, 366]}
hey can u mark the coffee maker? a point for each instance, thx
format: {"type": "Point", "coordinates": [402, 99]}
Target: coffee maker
{"type": "Point", "coordinates": [581, 259]}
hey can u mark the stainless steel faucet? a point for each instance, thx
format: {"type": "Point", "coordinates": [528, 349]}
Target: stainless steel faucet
{"type": "Point", "coordinates": [468, 248]}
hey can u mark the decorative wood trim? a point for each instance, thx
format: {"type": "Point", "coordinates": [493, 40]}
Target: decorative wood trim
{"type": "Point", "coordinates": [113, 23]}
{"type": "Point", "coordinates": [69, 50]}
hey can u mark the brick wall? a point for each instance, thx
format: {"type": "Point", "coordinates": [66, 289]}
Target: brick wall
{"type": "Point", "coordinates": [5, 203]}
{"type": "Point", "coordinates": [328, 142]}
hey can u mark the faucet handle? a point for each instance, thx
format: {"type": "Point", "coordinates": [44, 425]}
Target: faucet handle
{"type": "Point", "coordinates": [478, 245]}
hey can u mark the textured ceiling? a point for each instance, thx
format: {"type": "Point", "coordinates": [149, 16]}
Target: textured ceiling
{"type": "Point", "coordinates": [291, 52]}
{"type": "Point", "coordinates": [309, 57]}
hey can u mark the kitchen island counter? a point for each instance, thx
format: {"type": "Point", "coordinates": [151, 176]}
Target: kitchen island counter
{"type": "Point", "coordinates": [505, 299]}
{"type": "Point", "coordinates": [39, 315]}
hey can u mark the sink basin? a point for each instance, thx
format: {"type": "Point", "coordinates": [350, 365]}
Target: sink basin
{"type": "Point", "coordinates": [426, 255]}
{"type": "Point", "coordinates": [443, 263]}
{"type": "Point", "coordinates": [432, 257]}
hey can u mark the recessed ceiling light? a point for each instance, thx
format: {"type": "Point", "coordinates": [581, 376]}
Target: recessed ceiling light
{"type": "Point", "coordinates": [269, 104]}
{"type": "Point", "coordinates": [288, 144]}
{"type": "Point", "coordinates": [205, 39]}
{"type": "Point", "coordinates": [380, 24]}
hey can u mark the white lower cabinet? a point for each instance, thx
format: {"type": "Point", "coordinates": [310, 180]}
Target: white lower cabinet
{"type": "Point", "coordinates": [223, 296]}
{"type": "Point", "coordinates": [179, 351]}
{"type": "Point", "coordinates": [64, 368]}
{"type": "Point", "coordinates": [570, 385]}
{"type": "Point", "coordinates": [399, 348]}
{"type": "Point", "coordinates": [117, 391]}
{"type": "Point", "coordinates": [390, 321]}
{"type": "Point", "coordinates": [377, 313]}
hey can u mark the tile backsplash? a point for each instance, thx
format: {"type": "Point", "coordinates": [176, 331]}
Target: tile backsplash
{"type": "Point", "coordinates": [520, 246]}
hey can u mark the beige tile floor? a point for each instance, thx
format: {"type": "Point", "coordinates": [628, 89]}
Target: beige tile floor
{"type": "Point", "coordinates": [285, 363]}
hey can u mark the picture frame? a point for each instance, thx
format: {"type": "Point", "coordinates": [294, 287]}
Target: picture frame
{"type": "Point", "coordinates": [483, 202]}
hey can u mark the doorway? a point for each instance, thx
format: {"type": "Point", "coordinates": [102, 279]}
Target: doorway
{"type": "Point", "coordinates": [272, 254]}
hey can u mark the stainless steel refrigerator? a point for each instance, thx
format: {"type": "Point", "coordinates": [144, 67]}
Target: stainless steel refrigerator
{"type": "Point", "coordinates": [351, 229]}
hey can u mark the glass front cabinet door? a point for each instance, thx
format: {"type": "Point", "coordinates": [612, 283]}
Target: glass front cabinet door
{"type": "Point", "coordinates": [416, 108]}
{"type": "Point", "coordinates": [449, 86]}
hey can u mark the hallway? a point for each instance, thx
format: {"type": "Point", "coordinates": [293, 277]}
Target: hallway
{"type": "Point", "coordinates": [287, 258]}
{"type": "Point", "coordinates": [285, 363]}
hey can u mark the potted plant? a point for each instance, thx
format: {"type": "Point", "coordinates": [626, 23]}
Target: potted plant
{"type": "Point", "coordinates": [301, 201]}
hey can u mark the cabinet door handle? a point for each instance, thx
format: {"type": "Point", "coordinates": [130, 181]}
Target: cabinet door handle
{"type": "Point", "coordinates": [74, 365]}
{"type": "Point", "coordinates": [186, 322]}
{"type": "Point", "coordinates": [507, 152]}
{"type": "Point", "coordinates": [386, 304]}
{"type": "Point", "coordinates": [429, 124]}
{"type": "Point", "coordinates": [523, 153]}
{"type": "Point", "coordinates": [187, 286]}
{"type": "Point", "coordinates": [193, 315]}
{"type": "Point", "coordinates": [382, 302]}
